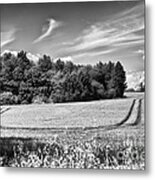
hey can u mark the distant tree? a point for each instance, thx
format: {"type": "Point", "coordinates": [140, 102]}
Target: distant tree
{"type": "Point", "coordinates": [85, 81]}
{"type": "Point", "coordinates": [98, 90]}
{"type": "Point", "coordinates": [8, 64]}
{"type": "Point", "coordinates": [45, 63]}
{"type": "Point", "coordinates": [142, 87]}
{"type": "Point", "coordinates": [23, 62]}
{"type": "Point", "coordinates": [119, 80]}
{"type": "Point", "coordinates": [68, 67]}
{"type": "Point", "coordinates": [59, 65]}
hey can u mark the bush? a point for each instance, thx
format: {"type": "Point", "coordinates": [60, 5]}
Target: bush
{"type": "Point", "coordinates": [58, 98]}
{"type": "Point", "coordinates": [24, 102]}
{"type": "Point", "coordinates": [37, 100]}
{"type": "Point", "coordinates": [8, 98]}
{"type": "Point", "coordinates": [110, 94]}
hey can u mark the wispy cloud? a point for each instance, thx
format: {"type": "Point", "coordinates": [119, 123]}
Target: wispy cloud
{"type": "Point", "coordinates": [119, 31]}
{"type": "Point", "coordinates": [7, 37]}
{"type": "Point", "coordinates": [52, 24]}
{"type": "Point", "coordinates": [92, 54]}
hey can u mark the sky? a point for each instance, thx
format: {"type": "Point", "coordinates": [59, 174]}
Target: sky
{"type": "Point", "coordinates": [83, 32]}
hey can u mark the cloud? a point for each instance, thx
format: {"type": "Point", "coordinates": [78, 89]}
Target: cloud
{"type": "Point", "coordinates": [67, 58]}
{"type": "Point", "coordinates": [122, 30]}
{"type": "Point", "coordinates": [7, 37]}
{"type": "Point", "coordinates": [141, 52]}
{"type": "Point", "coordinates": [52, 24]}
{"type": "Point", "coordinates": [32, 57]}
{"type": "Point", "coordinates": [93, 53]}
{"type": "Point", "coordinates": [8, 51]}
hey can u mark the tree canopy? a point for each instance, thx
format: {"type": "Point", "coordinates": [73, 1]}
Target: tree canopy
{"type": "Point", "coordinates": [22, 81]}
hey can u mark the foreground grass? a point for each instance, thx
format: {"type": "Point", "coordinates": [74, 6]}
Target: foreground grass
{"type": "Point", "coordinates": [95, 153]}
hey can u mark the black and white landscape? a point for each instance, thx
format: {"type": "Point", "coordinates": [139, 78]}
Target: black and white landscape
{"type": "Point", "coordinates": [72, 85]}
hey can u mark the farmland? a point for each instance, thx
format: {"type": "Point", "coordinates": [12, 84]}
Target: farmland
{"type": "Point", "coordinates": [81, 120]}
{"type": "Point", "coordinates": [118, 123]}
{"type": "Point", "coordinates": [66, 115]}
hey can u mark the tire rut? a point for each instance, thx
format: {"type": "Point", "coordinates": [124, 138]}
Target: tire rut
{"type": "Point", "coordinates": [128, 115]}
{"type": "Point", "coordinates": [138, 117]}
{"type": "Point", "coordinates": [3, 111]}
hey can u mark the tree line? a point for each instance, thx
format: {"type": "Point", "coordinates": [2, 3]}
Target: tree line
{"type": "Point", "coordinates": [23, 81]}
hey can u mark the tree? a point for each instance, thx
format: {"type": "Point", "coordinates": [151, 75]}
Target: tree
{"type": "Point", "coordinates": [68, 67]}
{"type": "Point", "coordinates": [119, 80]}
{"type": "Point", "coordinates": [59, 65]}
{"type": "Point", "coordinates": [45, 63]}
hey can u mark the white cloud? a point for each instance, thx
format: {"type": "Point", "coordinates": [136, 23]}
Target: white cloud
{"type": "Point", "coordinates": [93, 53]}
{"type": "Point", "coordinates": [134, 79]}
{"type": "Point", "coordinates": [32, 57]}
{"type": "Point", "coordinates": [118, 31]}
{"type": "Point", "coordinates": [9, 51]}
{"type": "Point", "coordinates": [52, 24]}
{"type": "Point", "coordinates": [67, 58]}
{"type": "Point", "coordinates": [141, 52]}
{"type": "Point", "coordinates": [7, 37]}
{"type": "Point", "coordinates": [29, 55]}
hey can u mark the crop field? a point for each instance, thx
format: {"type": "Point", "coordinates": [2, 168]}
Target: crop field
{"type": "Point", "coordinates": [78, 119]}
{"type": "Point", "coordinates": [95, 113]}
{"type": "Point", "coordinates": [104, 126]}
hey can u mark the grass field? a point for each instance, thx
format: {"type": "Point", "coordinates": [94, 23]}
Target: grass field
{"type": "Point", "coordinates": [118, 124]}
{"type": "Point", "coordinates": [45, 119]}
{"type": "Point", "coordinates": [66, 115]}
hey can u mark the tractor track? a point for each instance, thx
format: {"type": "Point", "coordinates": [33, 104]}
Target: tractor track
{"type": "Point", "coordinates": [128, 115]}
{"type": "Point", "coordinates": [138, 117]}
{"type": "Point", "coordinates": [4, 110]}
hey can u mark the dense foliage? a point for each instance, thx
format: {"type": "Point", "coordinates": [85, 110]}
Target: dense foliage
{"type": "Point", "coordinates": [22, 81]}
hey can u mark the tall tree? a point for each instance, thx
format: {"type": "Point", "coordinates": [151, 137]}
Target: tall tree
{"type": "Point", "coordinates": [119, 80]}
{"type": "Point", "coordinates": [45, 63]}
